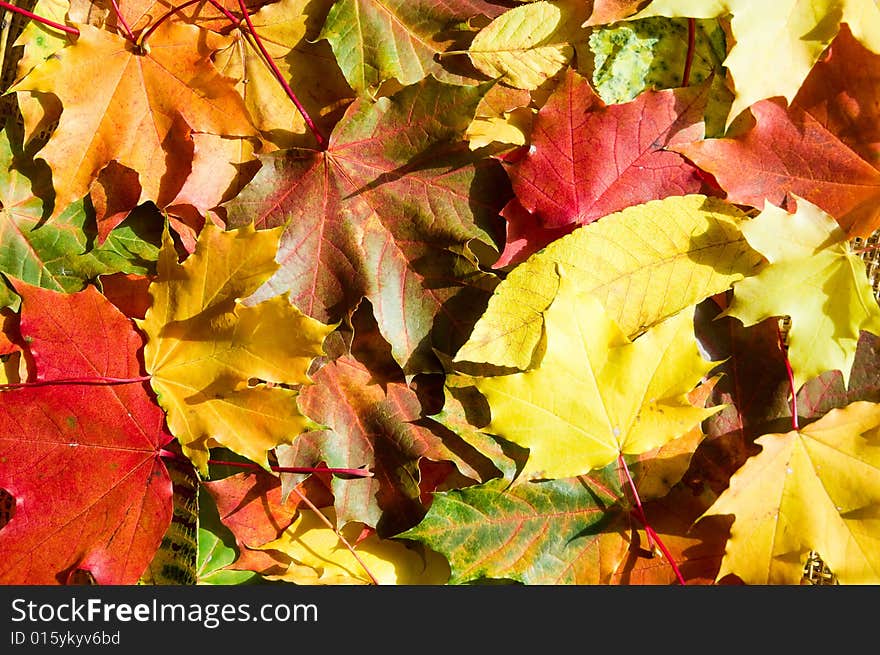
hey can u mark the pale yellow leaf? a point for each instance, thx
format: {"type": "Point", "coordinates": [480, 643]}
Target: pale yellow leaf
{"type": "Point", "coordinates": [527, 45]}
{"type": "Point", "coordinates": [595, 395]}
{"type": "Point", "coordinates": [644, 263]}
{"type": "Point", "coordinates": [815, 278]}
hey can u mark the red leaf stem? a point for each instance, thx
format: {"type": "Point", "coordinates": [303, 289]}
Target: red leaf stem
{"type": "Point", "coordinates": [344, 541]}
{"type": "Point", "coordinates": [360, 473]}
{"type": "Point", "coordinates": [689, 57]}
{"type": "Point", "coordinates": [168, 14]}
{"type": "Point", "coordinates": [322, 141]}
{"type": "Point", "coordinates": [870, 248]}
{"type": "Point", "coordinates": [652, 534]}
{"type": "Point", "coordinates": [639, 513]}
{"type": "Point", "coordinates": [128, 33]}
{"type": "Point", "coordinates": [39, 19]}
{"type": "Point", "coordinates": [790, 373]}
{"type": "Point", "coordinates": [98, 380]}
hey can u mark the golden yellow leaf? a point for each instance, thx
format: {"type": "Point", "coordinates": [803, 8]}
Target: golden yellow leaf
{"type": "Point", "coordinates": [817, 488]}
{"type": "Point", "coordinates": [595, 394]}
{"type": "Point", "coordinates": [658, 470]}
{"type": "Point", "coordinates": [645, 263]}
{"type": "Point", "coordinates": [315, 556]}
{"type": "Point", "coordinates": [214, 360]}
{"type": "Point", "coordinates": [503, 116]}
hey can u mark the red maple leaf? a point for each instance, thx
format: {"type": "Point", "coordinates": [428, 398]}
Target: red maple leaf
{"type": "Point", "coordinates": [587, 160]}
{"type": "Point", "coordinates": [81, 460]}
{"type": "Point", "coordinates": [845, 98]}
{"type": "Point", "coordinates": [789, 151]}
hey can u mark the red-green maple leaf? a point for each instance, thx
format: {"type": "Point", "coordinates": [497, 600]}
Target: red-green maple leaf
{"type": "Point", "coordinates": [587, 160]}
{"type": "Point", "coordinates": [789, 152]}
{"type": "Point", "coordinates": [81, 460]}
{"type": "Point", "coordinates": [374, 424]}
{"type": "Point", "coordinates": [386, 212]}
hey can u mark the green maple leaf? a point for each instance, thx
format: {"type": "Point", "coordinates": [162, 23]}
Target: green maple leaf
{"type": "Point", "coordinates": [552, 532]}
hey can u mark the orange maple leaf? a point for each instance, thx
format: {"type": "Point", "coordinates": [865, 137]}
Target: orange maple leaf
{"type": "Point", "coordinates": [135, 107]}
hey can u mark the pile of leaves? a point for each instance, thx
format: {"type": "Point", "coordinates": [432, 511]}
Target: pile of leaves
{"type": "Point", "coordinates": [419, 292]}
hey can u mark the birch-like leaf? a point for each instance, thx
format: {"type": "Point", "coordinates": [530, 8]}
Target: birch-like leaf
{"type": "Point", "coordinates": [645, 263]}
{"type": "Point", "coordinates": [527, 45]}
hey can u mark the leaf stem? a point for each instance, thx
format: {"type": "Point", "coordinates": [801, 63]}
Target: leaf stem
{"type": "Point", "coordinates": [168, 14]}
{"type": "Point", "coordinates": [39, 19]}
{"type": "Point", "coordinates": [621, 462]}
{"type": "Point", "coordinates": [338, 534]}
{"type": "Point", "coordinates": [98, 380]}
{"type": "Point", "coordinates": [4, 40]}
{"type": "Point", "coordinates": [653, 534]}
{"type": "Point", "coordinates": [639, 513]}
{"type": "Point", "coordinates": [128, 33]}
{"type": "Point", "coordinates": [689, 58]}
{"type": "Point", "coordinates": [783, 346]}
{"type": "Point", "coordinates": [360, 473]}
{"type": "Point", "coordinates": [870, 248]}
{"type": "Point", "coordinates": [322, 141]}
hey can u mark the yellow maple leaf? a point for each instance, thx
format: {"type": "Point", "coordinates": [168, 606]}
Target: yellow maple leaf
{"type": "Point", "coordinates": [595, 394]}
{"type": "Point", "coordinates": [211, 356]}
{"type": "Point", "coordinates": [777, 43]}
{"type": "Point", "coordinates": [815, 278]}
{"type": "Point", "coordinates": [817, 488]}
{"type": "Point", "coordinates": [314, 555]}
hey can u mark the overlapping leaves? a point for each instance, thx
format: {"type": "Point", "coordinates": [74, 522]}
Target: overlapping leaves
{"type": "Point", "coordinates": [515, 261]}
